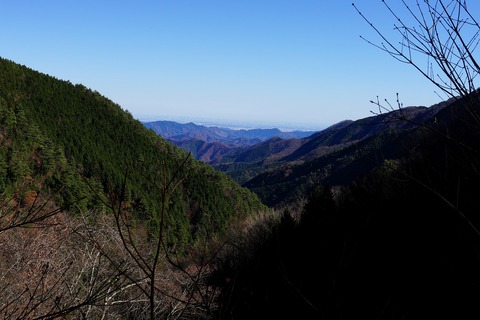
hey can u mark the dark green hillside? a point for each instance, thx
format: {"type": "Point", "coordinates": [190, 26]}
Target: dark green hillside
{"type": "Point", "coordinates": [282, 185]}
{"type": "Point", "coordinates": [246, 163]}
{"type": "Point", "coordinates": [72, 131]}
{"type": "Point", "coordinates": [314, 157]}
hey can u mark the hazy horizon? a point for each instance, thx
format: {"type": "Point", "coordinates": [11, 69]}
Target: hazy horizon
{"type": "Point", "coordinates": [236, 124]}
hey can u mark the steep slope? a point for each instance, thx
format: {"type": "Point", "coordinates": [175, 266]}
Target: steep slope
{"type": "Point", "coordinates": [347, 133]}
{"type": "Point", "coordinates": [338, 155]}
{"type": "Point", "coordinates": [101, 145]}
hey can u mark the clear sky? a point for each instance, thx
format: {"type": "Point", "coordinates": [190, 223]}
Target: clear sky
{"type": "Point", "coordinates": [274, 63]}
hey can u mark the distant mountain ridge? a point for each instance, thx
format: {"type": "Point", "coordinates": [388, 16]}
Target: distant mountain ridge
{"type": "Point", "coordinates": [266, 166]}
{"type": "Point", "coordinates": [211, 143]}
{"type": "Point", "coordinates": [175, 131]}
{"type": "Point", "coordinates": [244, 154]}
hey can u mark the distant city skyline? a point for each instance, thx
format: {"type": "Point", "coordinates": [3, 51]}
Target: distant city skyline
{"type": "Point", "coordinates": [295, 64]}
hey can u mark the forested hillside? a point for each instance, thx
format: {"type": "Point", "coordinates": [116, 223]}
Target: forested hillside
{"type": "Point", "coordinates": [101, 218]}
{"type": "Point", "coordinates": [71, 141]}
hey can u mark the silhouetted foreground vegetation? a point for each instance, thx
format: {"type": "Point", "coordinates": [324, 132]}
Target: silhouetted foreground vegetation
{"type": "Point", "coordinates": [399, 243]}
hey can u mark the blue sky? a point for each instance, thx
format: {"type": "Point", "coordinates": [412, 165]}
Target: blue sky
{"type": "Point", "coordinates": [269, 63]}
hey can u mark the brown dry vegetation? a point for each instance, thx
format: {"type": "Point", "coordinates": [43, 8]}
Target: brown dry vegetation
{"type": "Point", "coordinates": [77, 266]}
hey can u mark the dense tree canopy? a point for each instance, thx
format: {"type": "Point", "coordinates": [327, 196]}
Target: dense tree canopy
{"type": "Point", "coordinates": [84, 144]}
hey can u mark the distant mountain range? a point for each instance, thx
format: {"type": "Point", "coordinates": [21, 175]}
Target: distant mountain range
{"type": "Point", "coordinates": [279, 165]}
{"type": "Point", "coordinates": [209, 144]}
{"type": "Point", "coordinates": [172, 130]}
